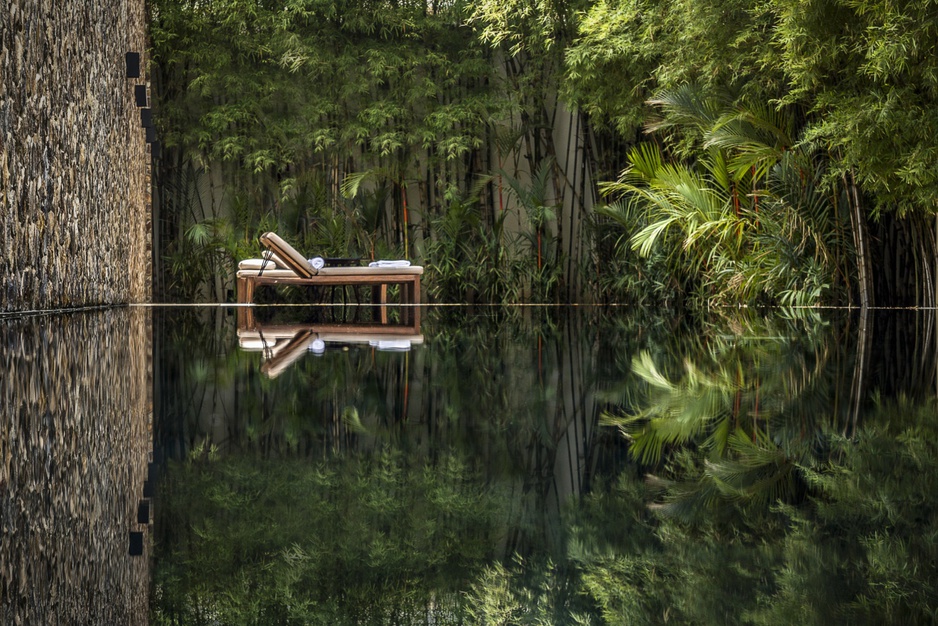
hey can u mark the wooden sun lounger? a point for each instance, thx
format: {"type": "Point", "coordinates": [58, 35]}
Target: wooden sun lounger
{"type": "Point", "coordinates": [299, 271]}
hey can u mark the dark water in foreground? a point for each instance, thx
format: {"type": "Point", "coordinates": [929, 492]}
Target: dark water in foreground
{"type": "Point", "coordinates": [493, 466]}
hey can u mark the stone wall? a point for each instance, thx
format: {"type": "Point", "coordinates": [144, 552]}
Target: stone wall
{"type": "Point", "coordinates": [74, 165]}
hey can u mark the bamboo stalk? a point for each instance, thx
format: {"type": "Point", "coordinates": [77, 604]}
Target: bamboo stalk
{"type": "Point", "coordinates": [859, 237]}
{"type": "Point", "coordinates": [404, 206]}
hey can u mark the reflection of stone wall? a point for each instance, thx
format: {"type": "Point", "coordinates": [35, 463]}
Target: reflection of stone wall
{"type": "Point", "coordinates": [73, 159]}
{"type": "Point", "coordinates": [75, 416]}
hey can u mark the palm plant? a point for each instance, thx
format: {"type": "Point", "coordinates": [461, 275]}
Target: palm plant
{"type": "Point", "coordinates": [748, 219]}
{"type": "Point", "coordinates": [469, 260]}
{"type": "Point", "coordinates": [540, 213]}
{"type": "Point", "coordinates": [686, 211]}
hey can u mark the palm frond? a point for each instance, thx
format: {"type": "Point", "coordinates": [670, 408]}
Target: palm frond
{"type": "Point", "coordinates": [687, 105]}
{"type": "Point", "coordinates": [353, 182]}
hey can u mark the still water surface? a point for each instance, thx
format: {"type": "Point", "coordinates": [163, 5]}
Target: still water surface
{"type": "Point", "coordinates": [491, 466]}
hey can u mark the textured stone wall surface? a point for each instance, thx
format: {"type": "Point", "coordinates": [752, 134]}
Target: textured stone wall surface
{"type": "Point", "coordinates": [76, 413]}
{"type": "Point", "coordinates": [74, 164]}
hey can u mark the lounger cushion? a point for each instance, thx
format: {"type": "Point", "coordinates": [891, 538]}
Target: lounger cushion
{"type": "Point", "coordinates": [291, 258]}
{"type": "Point", "coordinates": [257, 264]}
{"type": "Point", "coordinates": [250, 273]}
{"type": "Point", "coordinates": [255, 344]}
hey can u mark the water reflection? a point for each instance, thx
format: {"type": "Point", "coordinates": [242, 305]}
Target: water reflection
{"type": "Point", "coordinates": [411, 469]}
{"type": "Point", "coordinates": [788, 479]}
{"type": "Point", "coordinates": [470, 480]}
{"type": "Point", "coordinates": [74, 443]}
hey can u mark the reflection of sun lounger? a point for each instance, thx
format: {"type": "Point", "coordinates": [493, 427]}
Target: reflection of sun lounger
{"type": "Point", "coordinates": [276, 347]}
{"type": "Point", "coordinates": [283, 345]}
{"type": "Point", "coordinates": [297, 270]}
{"type": "Point", "coordinates": [391, 345]}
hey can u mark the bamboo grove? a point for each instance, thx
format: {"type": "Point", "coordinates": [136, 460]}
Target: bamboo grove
{"type": "Point", "coordinates": [667, 152]}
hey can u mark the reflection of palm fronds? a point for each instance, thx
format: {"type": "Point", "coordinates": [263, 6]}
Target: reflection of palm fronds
{"type": "Point", "coordinates": [678, 413]}
{"type": "Point", "coordinates": [752, 472]}
{"type": "Point", "coordinates": [756, 471]}
{"type": "Point", "coordinates": [740, 419]}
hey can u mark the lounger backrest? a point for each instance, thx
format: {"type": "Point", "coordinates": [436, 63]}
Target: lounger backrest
{"type": "Point", "coordinates": [293, 259]}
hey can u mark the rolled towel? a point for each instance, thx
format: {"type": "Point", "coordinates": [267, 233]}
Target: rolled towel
{"type": "Point", "coordinates": [389, 264]}
{"type": "Point", "coordinates": [317, 262]}
{"type": "Point", "coordinates": [318, 346]}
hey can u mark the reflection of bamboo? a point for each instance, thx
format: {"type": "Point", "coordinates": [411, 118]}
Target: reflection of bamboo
{"type": "Point", "coordinates": [864, 338]}
{"type": "Point", "coordinates": [404, 408]}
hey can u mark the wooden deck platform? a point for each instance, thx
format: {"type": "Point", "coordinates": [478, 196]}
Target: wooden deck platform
{"type": "Point", "coordinates": [377, 278]}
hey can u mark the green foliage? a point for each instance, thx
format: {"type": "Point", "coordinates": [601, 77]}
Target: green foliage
{"type": "Point", "coordinates": [866, 70]}
{"type": "Point", "coordinates": [269, 85]}
{"type": "Point", "coordinates": [854, 78]}
{"type": "Point", "coordinates": [284, 102]}
{"type": "Point", "coordinates": [861, 68]}
{"type": "Point", "coordinates": [524, 26]}
{"type": "Point", "coordinates": [537, 210]}
{"type": "Point", "coordinates": [528, 593]}
{"type": "Point", "coordinates": [627, 50]}
{"type": "Point", "coordinates": [472, 259]}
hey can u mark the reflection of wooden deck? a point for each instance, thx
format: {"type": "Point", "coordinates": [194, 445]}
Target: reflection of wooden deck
{"type": "Point", "coordinates": [284, 344]}
{"type": "Point", "coordinates": [409, 313]}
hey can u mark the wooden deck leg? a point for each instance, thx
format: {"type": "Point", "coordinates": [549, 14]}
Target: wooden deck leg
{"type": "Point", "coordinates": [379, 299]}
{"type": "Point", "coordinates": [410, 299]}
{"type": "Point", "coordinates": [416, 301]}
{"type": "Point", "coordinates": [245, 290]}
{"type": "Point", "coordinates": [245, 296]}
{"type": "Point", "coordinates": [246, 318]}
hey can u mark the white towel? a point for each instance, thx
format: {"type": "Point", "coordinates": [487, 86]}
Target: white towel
{"type": "Point", "coordinates": [318, 346]}
{"type": "Point", "coordinates": [317, 262]}
{"type": "Point", "coordinates": [392, 345]}
{"type": "Point", "coordinates": [389, 264]}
